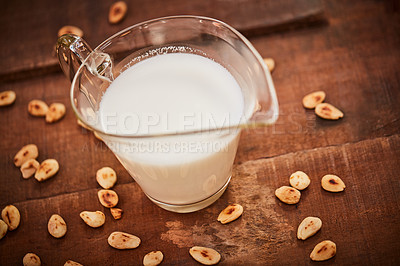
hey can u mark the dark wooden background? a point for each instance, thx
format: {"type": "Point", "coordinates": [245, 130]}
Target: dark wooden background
{"type": "Point", "coordinates": [349, 49]}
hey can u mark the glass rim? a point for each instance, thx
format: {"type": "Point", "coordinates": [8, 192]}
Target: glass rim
{"type": "Point", "coordinates": [237, 126]}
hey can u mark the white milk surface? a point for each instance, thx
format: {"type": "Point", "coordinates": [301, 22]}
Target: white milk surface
{"type": "Point", "coordinates": [171, 93]}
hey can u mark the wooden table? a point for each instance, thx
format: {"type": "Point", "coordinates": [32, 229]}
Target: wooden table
{"type": "Point", "coordinates": [352, 53]}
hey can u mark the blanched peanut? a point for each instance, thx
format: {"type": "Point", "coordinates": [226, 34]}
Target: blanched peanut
{"type": "Point", "coordinates": [31, 259]}
{"type": "Point", "coordinates": [93, 219]}
{"type": "Point", "coordinates": [206, 256]}
{"type": "Point", "coordinates": [108, 198]}
{"type": "Point", "coordinates": [323, 251]}
{"type": "Point", "coordinates": [27, 152]}
{"type": "Point", "coordinates": [56, 112]}
{"type": "Point", "coordinates": [230, 213]}
{"type": "Point", "coordinates": [72, 263]}
{"type": "Point", "coordinates": [47, 169]}
{"type": "Point", "coordinates": [299, 180]}
{"type": "Point", "coordinates": [308, 227]}
{"type": "Point", "coordinates": [29, 168]}
{"type": "Point", "coordinates": [10, 215]}
{"type": "Point", "coordinates": [153, 258]}
{"type": "Point", "coordinates": [68, 29]}
{"type": "Point", "coordinates": [120, 240]}
{"type": "Point", "coordinates": [7, 98]}
{"type": "Point", "coordinates": [332, 183]}
{"type": "Point", "coordinates": [270, 64]}
{"type": "Point", "coordinates": [117, 12]}
{"type": "Point", "coordinates": [57, 226]}
{"type": "Point", "coordinates": [310, 101]}
{"type": "Point", "coordinates": [3, 229]}
{"type": "Point", "coordinates": [328, 111]}
{"type": "Point", "coordinates": [288, 195]}
{"type": "Point", "coordinates": [116, 213]}
{"type": "Point", "coordinates": [37, 108]}
{"type": "Point", "coordinates": [106, 177]}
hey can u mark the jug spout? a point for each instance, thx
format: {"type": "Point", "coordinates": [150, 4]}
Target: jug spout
{"type": "Point", "coordinates": [71, 52]}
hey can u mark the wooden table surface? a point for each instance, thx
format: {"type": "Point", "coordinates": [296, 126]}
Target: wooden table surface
{"type": "Point", "coordinates": [353, 56]}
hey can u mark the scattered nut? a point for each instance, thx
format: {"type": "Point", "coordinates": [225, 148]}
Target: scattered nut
{"type": "Point", "coordinates": [56, 112]}
{"type": "Point", "coordinates": [299, 180]}
{"type": "Point", "coordinates": [120, 240]}
{"type": "Point", "coordinates": [117, 12]}
{"type": "Point", "coordinates": [328, 111]}
{"type": "Point", "coordinates": [27, 152]}
{"type": "Point", "coordinates": [106, 177]}
{"type": "Point", "coordinates": [3, 229]}
{"type": "Point", "coordinates": [323, 251]}
{"type": "Point", "coordinates": [308, 227]}
{"type": "Point", "coordinates": [230, 213]}
{"type": "Point", "coordinates": [57, 226]}
{"type": "Point", "coordinates": [288, 194]}
{"type": "Point", "coordinates": [153, 258]}
{"type": "Point", "coordinates": [29, 167]}
{"type": "Point", "coordinates": [93, 219]}
{"type": "Point", "coordinates": [7, 98]}
{"type": "Point", "coordinates": [10, 215]}
{"type": "Point", "coordinates": [206, 256]}
{"type": "Point", "coordinates": [80, 123]}
{"type": "Point", "coordinates": [270, 63]}
{"type": "Point", "coordinates": [37, 108]}
{"type": "Point", "coordinates": [31, 259]}
{"type": "Point", "coordinates": [332, 183]}
{"type": "Point", "coordinates": [72, 263]}
{"type": "Point", "coordinates": [310, 101]}
{"type": "Point", "coordinates": [116, 213]}
{"type": "Point", "coordinates": [108, 198]}
{"type": "Point", "coordinates": [68, 29]}
{"type": "Point", "coordinates": [47, 169]}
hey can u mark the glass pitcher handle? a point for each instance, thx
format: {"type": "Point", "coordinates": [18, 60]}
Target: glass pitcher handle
{"type": "Point", "coordinates": [71, 52]}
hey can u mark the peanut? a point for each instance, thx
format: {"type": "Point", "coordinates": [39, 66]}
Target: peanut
{"type": "Point", "coordinates": [31, 259]}
{"type": "Point", "coordinates": [323, 251]}
{"type": "Point", "coordinates": [299, 180]}
{"type": "Point", "coordinates": [93, 219]}
{"type": "Point", "coordinates": [56, 112]}
{"type": "Point", "coordinates": [108, 198]}
{"type": "Point", "coordinates": [27, 152]}
{"type": "Point", "coordinates": [332, 183]}
{"type": "Point", "coordinates": [29, 168]}
{"type": "Point", "coordinates": [117, 12]}
{"type": "Point", "coordinates": [206, 256]}
{"type": "Point", "coordinates": [7, 98]}
{"type": "Point", "coordinates": [310, 101]}
{"type": "Point", "coordinates": [37, 108]}
{"type": "Point", "coordinates": [57, 226]}
{"type": "Point", "coordinates": [3, 229]}
{"type": "Point", "coordinates": [10, 215]}
{"type": "Point", "coordinates": [153, 258]}
{"type": "Point", "coordinates": [106, 177]}
{"type": "Point", "coordinates": [270, 64]}
{"type": "Point", "coordinates": [68, 29]}
{"type": "Point", "coordinates": [72, 263]}
{"type": "Point", "coordinates": [116, 213]}
{"type": "Point", "coordinates": [308, 227]}
{"type": "Point", "coordinates": [120, 240]}
{"type": "Point", "coordinates": [288, 195]}
{"type": "Point", "coordinates": [328, 111]}
{"type": "Point", "coordinates": [230, 213]}
{"type": "Point", "coordinates": [47, 169]}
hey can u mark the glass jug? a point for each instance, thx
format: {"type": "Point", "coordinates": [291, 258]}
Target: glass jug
{"type": "Point", "coordinates": [187, 169]}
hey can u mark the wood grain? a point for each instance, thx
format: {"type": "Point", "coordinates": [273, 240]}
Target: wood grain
{"type": "Point", "coordinates": [356, 220]}
{"type": "Point", "coordinates": [32, 53]}
{"type": "Point", "coordinates": [354, 59]}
